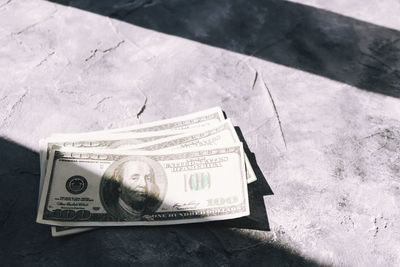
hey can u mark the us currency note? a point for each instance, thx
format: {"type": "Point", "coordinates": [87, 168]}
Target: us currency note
{"type": "Point", "coordinates": [195, 120]}
{"type": "Point", "coordinates": [220, 134]}
{"type": "Point", "coordinates": [121, 141]}
{"type": "Point", "coordinates": [86, 187]}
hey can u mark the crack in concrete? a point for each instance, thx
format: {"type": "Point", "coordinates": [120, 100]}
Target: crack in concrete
{"type": "Point", "coordinates": [133, 7]}
{"type": "Point", "coordinates": [231, 251]}
{"type": "Point", "coordinates": [101, 101]}
{"type": "Point", "coordinates": [94, 52]}
{"type": "Point", "coordinates": [115, 47]}
{"type": "Point", "coordinates": [255, 80]}
{"type": "Point", "coordinates": [380, 223]}
{"type": "Point", "coordinates": [276, 41]}
{"type": "Point", "coordinates": [369, 66]}
{"type": "Point", "coordinates": [128, 40]}
{"type": "Point", "coordinates": [114, 29]}
{"type": "Point", "coordinates": [249, 247]}
{"type": "Point", "coordinates": [19, 101]}
{"type": "Point", "coordinates": [255, 52]}
{"type": "Point", "coordinates": [142, 109]}
{"type": "Point", "coordinates": [256, 128]}
{"type": "Point", "coordinates": [276, 111]}
{"type": "Point", "coordinates": [384, 64]}
{"type": "Point", "coordinates": [92, 55]}
{"type": "Point", "coordinates": [385, 134]}
{"type": "Point", "coordinates": [34, 24]}
{"type": "Point", "coordinates": [269, 45]}
{"type": "Point", "coordinates": [377, 227]}
{"type": "Point", "coordinates": [388, 45]}
{"type": "Point", "coordinates": [264, 122]}
{"type": "Point", "coordinates": [6, 3]}
{"type": "Point", "coordinates": [45, 59]}
{"type": "Point", "coordinates": [25, 29]}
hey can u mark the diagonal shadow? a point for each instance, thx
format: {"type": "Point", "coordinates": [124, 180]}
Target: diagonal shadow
{"type": "Point", "coordinates": [24, 242]}
{"type": "Point", "coordinates": [341, 48]}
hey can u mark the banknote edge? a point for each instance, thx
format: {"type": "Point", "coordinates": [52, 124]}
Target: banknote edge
{"type": "Point", "coordinates": [215, 109]}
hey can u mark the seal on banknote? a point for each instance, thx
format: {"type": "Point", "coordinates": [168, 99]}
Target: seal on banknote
{"type": "Point", "coordinates": [76, 184]}
{"type": "Point", "coordinates": [133, 188]}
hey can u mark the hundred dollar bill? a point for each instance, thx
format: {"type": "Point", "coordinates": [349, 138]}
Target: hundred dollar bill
{"type": "Point", "coordinates": [117, 140]}
{"type": "Point", "coordinates": [121, 141]}
{"type": "Point", "coordinates": [86, 187]}
{"type": "Point", "coordinates": [221, 134]}
{"type": "Point", "coordinates": [195, 120]}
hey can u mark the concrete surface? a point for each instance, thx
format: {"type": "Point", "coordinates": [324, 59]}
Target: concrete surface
{"type": "Point", "coordinates": [314, 87]}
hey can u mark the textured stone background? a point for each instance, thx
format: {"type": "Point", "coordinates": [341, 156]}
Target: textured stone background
{"type": "Point", "coordinates": [314, 87]}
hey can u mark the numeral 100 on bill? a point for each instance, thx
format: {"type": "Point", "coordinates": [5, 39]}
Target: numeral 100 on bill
{"type": "Point", "coordinates": [197, 181]}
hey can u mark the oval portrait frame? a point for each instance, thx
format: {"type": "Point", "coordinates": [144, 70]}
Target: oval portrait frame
{"type": "Point", "coordinates": [109, 186]}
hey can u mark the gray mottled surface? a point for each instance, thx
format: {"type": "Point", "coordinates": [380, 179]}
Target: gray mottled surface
{"type": "Point", "coordinates": [314, 87]}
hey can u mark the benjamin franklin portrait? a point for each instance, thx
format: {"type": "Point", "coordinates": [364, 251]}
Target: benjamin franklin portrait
{"type": "Point", "coordinates": [130, 191]}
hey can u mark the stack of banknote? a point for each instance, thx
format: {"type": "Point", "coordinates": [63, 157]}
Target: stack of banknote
{"type": "Point", "coordinates": [185, 169]}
